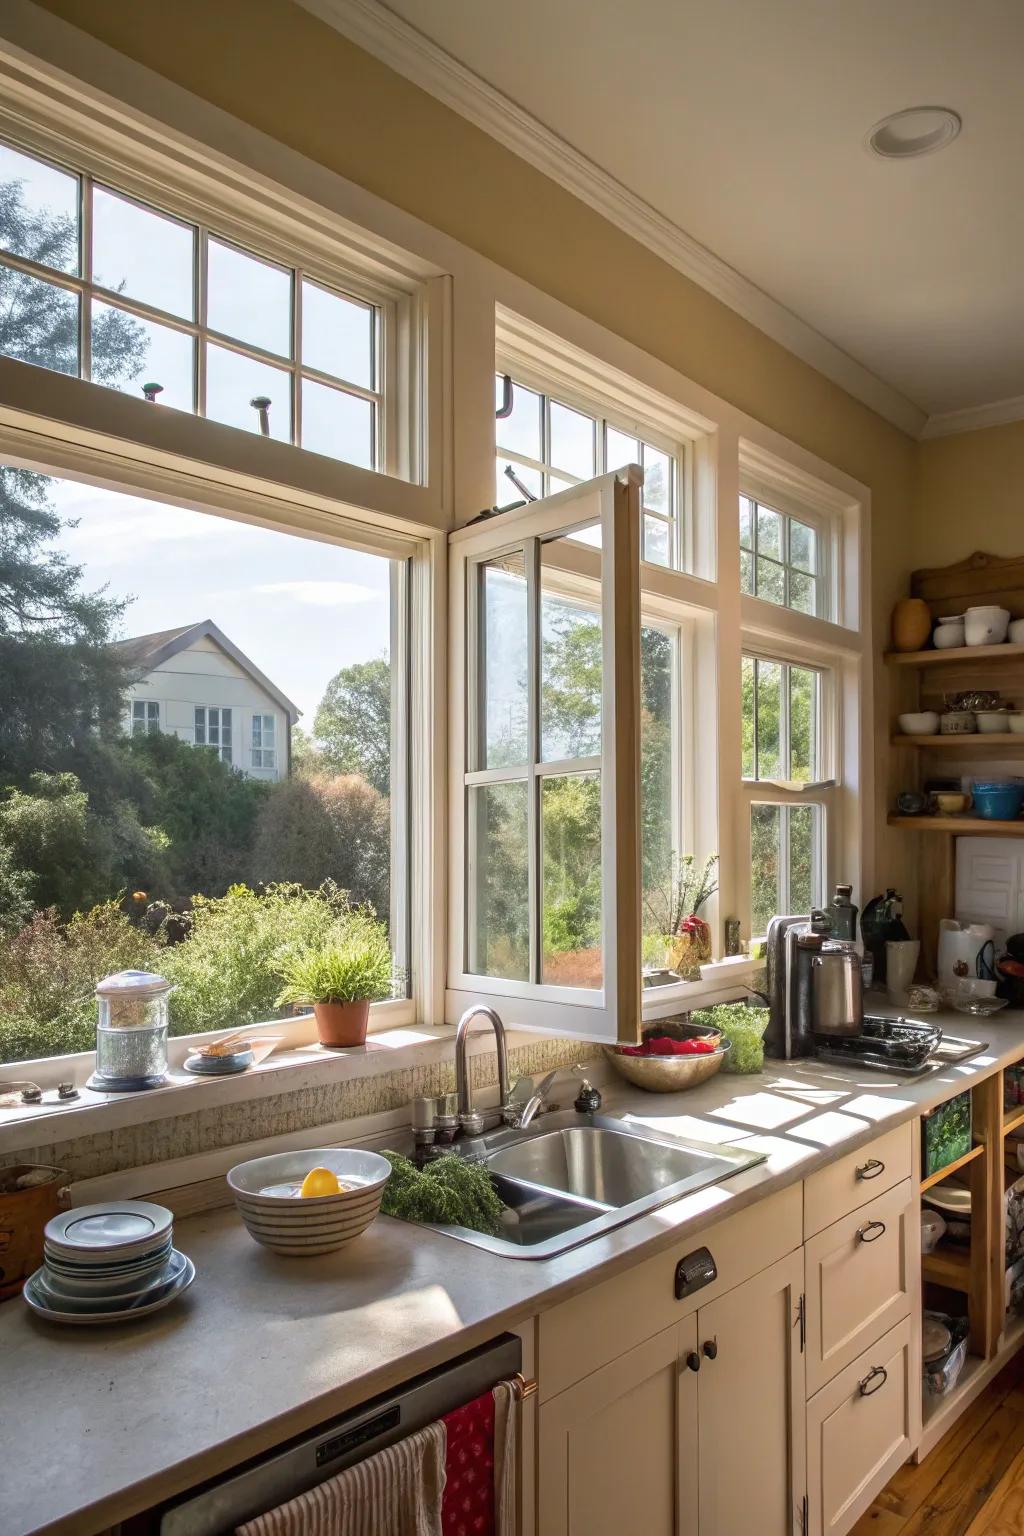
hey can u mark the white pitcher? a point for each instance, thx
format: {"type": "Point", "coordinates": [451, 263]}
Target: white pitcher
{"type": "Point", "coordinates": [964, 951]}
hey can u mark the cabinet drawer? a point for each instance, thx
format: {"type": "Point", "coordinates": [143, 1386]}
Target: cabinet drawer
{"type": "Point", "coordinates": [859, 1431]}
{"type": "Point", "coordinates": [857, 1178]}
{"type": "Point", "coordinates": [861, 1279]}
{"type": "Point", "coordinates": [582, 1334]}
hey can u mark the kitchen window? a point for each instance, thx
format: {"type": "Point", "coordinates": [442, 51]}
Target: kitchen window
{"type": "Point", "coordinates": [145, 717]}
{"type": "Point", "coordinates": [781, 558]}
{"type": "Point", "coordinates": [264, 742]}
{"type": "Point", "coordinates": [96, 284]}
{"type": "Point", "coordinates": [213, 729]}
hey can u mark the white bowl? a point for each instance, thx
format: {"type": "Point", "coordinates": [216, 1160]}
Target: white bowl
{"type": "Point", "coordinates": [289, 1224]}
{"type": "Point", "coordinates": [986, 625]}
{"type": "Point", "coordinates": [933, 1228]}
{"type": "Point", "coordinates": [1015, 720]}
{"type": "Point", "coordinates": [949, 632]}
{"type": "Point", "coordinates": [992, 722]}
{"type": "Point", "coordinates": [924, 724]}
{"type": "Point", "coordinates": [1015, 633]}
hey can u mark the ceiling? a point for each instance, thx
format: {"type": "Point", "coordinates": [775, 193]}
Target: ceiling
{"type": "Point", "coordinates": [743, 123]}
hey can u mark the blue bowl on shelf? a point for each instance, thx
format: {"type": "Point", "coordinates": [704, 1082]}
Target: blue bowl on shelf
{"type": "Point", "coordinates": [1000, 801]}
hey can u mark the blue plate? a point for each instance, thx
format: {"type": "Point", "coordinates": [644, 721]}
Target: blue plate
{"type": "Point", "coordinates": [219, 1066]}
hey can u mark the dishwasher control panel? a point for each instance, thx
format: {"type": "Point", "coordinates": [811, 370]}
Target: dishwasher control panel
{"type": "Point", "coordinates": [697, 1270]}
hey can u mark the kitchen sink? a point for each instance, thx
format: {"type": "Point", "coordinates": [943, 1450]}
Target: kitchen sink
{"type": "Point", "coordinates": [568, 1178]}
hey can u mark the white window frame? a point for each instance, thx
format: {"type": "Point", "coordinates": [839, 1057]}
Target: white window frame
{"type": "Point", "coordinates": [258, 726]}
{"type": "Point", "coordinates": [824, 530]}
{"type": "Point", "coordinates": [222, 710]}
{"type": "Point", "coordinates": [146, 718]}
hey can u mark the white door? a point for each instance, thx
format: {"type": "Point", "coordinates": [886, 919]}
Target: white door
{"type": "Point", "coordinates": [545, 811]}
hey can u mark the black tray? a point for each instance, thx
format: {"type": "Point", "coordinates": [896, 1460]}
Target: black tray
{"type": "Point", "coordinates": [887, 1045]}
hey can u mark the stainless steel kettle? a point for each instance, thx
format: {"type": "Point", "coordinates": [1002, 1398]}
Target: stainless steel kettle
{"type": "Point", "coordinates": [837, 991]}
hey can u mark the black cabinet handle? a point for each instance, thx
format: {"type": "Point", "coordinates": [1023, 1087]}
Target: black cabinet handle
{"type": "Point", "coordinates": [693, 1360]}
{"type": "Point", "coordinates": [710, 1348]}
{"type": "Point", "coordinates": [871, 1231]}
{"type": "Point", "coordinates": [877, 1374]}
{"type": "Point", "coordinates": [871, 1169]}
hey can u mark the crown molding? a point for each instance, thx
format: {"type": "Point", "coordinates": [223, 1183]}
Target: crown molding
{"type": "Point", "coordinates": [388, 37]}
{"type": "Point", "coordinates": [973, 418]}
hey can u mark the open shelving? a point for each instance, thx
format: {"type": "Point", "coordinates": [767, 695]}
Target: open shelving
{"type": "Point", "coordinates": [955, 655]}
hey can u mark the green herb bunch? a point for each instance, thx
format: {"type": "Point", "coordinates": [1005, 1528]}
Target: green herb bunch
{"type": "Point", "coordinates": [448, 1190]}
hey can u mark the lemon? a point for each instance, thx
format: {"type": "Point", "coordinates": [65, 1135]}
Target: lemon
{"type": "Point", "coordinates": [319, 1181]}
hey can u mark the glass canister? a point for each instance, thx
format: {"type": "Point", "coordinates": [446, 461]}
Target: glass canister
{"type": "Point", "coordinates": [131, 1032]}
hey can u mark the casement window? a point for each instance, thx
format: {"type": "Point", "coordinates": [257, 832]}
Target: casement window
{"type": "Point", "coordinates": [96, 284]}
{"type": "Point", "coordinates": [145, 717]}
{"type": "Point", "coordinates": [264, 741]}
{"type": "Point", "coordinates": [783, 559]}
{"type": "Point", "coordinates": [543, 445]}
{"type": "Point", "coordinates": [213, 729]}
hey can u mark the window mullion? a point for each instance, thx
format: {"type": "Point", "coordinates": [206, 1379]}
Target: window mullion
{"type": "Point", "coordinates": [531, 563]}
{"type": "Point", "coordinates": [297, 357]}
{"type": "Point", "coordinates": [202, 263]}
{"type": "Point", "coordinates": [85, 267]}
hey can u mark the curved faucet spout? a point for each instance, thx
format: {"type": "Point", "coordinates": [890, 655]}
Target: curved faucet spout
{"type": "Point", "coordinates": [470, 1119]}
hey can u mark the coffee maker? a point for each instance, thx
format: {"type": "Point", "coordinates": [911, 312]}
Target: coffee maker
{"type": "Point", "coordinates": [815, 986]}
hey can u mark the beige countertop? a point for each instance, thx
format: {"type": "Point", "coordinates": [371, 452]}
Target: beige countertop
{"type": "Point", "coordinates": [100, 1423]}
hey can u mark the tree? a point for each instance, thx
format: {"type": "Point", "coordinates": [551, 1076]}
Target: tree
{"type": "Point", "coordinates": [328, 827]}
{"type": "Point", "coordinates": [352, 725]}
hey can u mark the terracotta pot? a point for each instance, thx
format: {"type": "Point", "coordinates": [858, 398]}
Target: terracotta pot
{"type": "Point", "coordinates": [340, 1024]}
{"type": "Point", "coordinates": [911, 624]}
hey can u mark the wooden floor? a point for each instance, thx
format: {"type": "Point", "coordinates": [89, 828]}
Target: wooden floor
{"type": "Point", "coordinates": [972, 1484]}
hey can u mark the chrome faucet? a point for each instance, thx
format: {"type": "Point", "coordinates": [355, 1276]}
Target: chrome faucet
{"type": "Point", "coordinates": [470, 1119]}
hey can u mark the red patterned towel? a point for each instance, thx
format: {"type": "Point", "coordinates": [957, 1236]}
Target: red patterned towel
{"type": "Point", "coordinates": [468, 1505]}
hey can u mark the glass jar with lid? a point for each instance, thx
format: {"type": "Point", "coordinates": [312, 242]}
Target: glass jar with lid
{"type": "Point", "coordinates": [131, 1032]}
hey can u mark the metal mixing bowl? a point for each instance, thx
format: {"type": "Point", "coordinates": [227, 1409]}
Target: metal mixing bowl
{"type": "Point", "coordinates": [669, 1074]}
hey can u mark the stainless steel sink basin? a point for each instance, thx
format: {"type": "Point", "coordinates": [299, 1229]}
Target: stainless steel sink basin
{"type": "Point", "coordinates": [568, 1178]}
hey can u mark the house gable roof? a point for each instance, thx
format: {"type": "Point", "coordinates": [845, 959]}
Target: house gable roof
{"type": "Point", "coordinates": [147, 652]}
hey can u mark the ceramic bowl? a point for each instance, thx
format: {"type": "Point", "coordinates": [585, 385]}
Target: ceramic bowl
{"type": "Point", "coordinates": [949, 802]}
{"type": "Point", "coordinates": [924, 724]}
{"type": "Point", "coordinates": [999, 801]}
{"type": "Point", "coordinates": [933, 1229]}
{"type": "Point", "coordinates": [957, 722]}
{"type": "Point", "coordinates": [992, 722]}
{"type": "Point", "coordinates": [1015, 633]}
{"type": "Point", "coordinates": [949, 632]}
{"type": "Point", "coordinates": [1015, 720]}
{"type": "Point", "coordinates": [986, 625]}
{"type": "Point", "coordinates": [281, 1220]}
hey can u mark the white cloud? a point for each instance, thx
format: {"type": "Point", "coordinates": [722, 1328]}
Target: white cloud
{"type": "Point", "coordinates": [321, 594]}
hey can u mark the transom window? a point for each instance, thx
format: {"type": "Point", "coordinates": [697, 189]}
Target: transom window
{"type": "Point", "coordinates": [780, 558]}
{"type": "Point", "coordinates": [264, 741]}
{"type": "Point", "coordinates": [145, 717]}
{"type": "Point", "coordinates": [100, 286]}
{"type": "Point", "coordinates": [213, 729]}
{"type": "Point", "coordinates": [544, 446]}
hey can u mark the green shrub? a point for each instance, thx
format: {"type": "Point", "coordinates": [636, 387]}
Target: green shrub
{"type": "Point", "coordinates": [351, 964]}
{"type": "Point", "coordinates": [15, 883]}
{"type": "Point", "coordinates": [322, 827]}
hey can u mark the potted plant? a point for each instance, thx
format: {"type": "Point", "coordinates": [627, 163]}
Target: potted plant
{"type": "Point", "coordinates": [675, 910]}
{"type": "Point", "coordinates": [341, 977]}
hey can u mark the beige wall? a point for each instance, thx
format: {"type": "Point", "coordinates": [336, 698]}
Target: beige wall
{"type": "Point", "coordinates": [276, 67]}
{"type": "Point", "coordinates": [969, 495]}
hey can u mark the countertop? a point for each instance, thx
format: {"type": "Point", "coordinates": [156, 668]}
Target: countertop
{"type": "Point", "coordinates": [101, 1423]}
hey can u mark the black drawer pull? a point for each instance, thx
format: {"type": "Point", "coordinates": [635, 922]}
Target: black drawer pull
{"type": "Point", "coordinates": [693, 1360]}
{"type": "Point", "coordinates": [710, 1348]}
{"type": "Point", "coordinates": [871, 1231]}
{"type": "Point", "coordinates": [871, 1169]}
{"type": "Point", "coordinates": [877, 1374]}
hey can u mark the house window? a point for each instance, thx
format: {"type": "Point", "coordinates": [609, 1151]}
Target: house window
{"type": "Point", "coordinates": [781, 720]}
{"type": "Point", "coordinates": [544, 445]}
{"type": "Point", "coordinates": [781, 558]}
{"type": "Point", "coordinates": [96, 284]}
{"type": "Point", "coordinates": [213, 729]}
{"type": "Point", "coordinates": [145, 717]}
{"type": "Point", "coordinates": [264, 742]}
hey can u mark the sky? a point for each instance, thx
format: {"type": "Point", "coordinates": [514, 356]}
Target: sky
{"type": "Point", "coordinates": [300, 609]}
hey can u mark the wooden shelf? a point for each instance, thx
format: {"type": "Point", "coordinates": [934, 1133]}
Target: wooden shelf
{"type": "Point", "coordinates": [958, 654]}
{"type": "Point", "coordinates": [961, 1162]}
{"type": "Point", "coordinates": [959, 826]}
{"type": "Point", "coordinates": [950, 1267]}
{"type": "Point", "coordinates": [1012, 1124]}
{"type": "Point", "coordinates": [990, 742]}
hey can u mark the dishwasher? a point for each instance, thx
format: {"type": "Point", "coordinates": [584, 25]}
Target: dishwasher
{"type": "Point", "coordinates": [218, 1507]}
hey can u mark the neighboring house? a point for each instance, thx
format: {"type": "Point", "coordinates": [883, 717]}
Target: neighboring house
{"type": "Point", "coordinates": [195, 683]}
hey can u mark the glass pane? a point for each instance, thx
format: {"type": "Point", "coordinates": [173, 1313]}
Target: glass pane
{"type": "Point", "coordinates": [571, 897]}
{"type": "Point", "coordinates": [503, 661]}
{"type": "Point", "coordinates": [620, 449]}
{"type": "Point", "coordinates": [765, 867]}
{"type": "Point", "coordinates": [657, 481]}
{"type": "Point", "coordinates": [771, 581]}
{"type": "Point", "coordinates": [803, 592]}
{"type": "Point", "coordinates": [804, 840]}
{"type": "Point", "coordinates": [40, 212]}
{"type": "Point", "coordinates": [746, 571]}
{"type": "Point", "coordinates": [142, 254]}
{"type": "Point", "coordinates": [506, 492]}
{"type": "Point", "coordinates": [657, 653]}
{"type": "Point", "coordinates": [520, 432]}
{"type": "Point", "coordinates": [803, 724]}
{"type": "Point", "coordinates": [747, 683]}
{"type": "Point", "coordinates": [200, 727]}
{"type": "Point", "coordinates": [572, 441]}
{"type": "Point", "coordinates": [128, 353]}
{"type": "Point", "coordinates": [234, 381]}
{"type": "Point", "coordinates": [337, 335]}
{"type": "Point", "coordinates": [570, 640]}
{"type": "Point", "coordinates": [38, 322]}
{"type": "Point", "coordinates": [657, 540]}
{"type": "Point", "coordinates": [769, 533]}
{"type": "Point", "coordinates": [803, 546]}
{"type": "Point", "coordinates": [498, 881]}
{"type": "Point", "coordinates": [746, 522]}
{"type": "Point", "coordinates": [337, 424]}
{"type": "Point", "coordinates": [248, 299]}
{"type": "Point", "coordinates": [769, 723]}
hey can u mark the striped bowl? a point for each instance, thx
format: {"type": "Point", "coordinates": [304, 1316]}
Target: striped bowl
{"type": "Point", "coordinates": [290, 1225]}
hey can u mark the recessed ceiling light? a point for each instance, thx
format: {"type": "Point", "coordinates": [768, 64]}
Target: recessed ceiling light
{"type": "Point", "coordinates": [914, 131]}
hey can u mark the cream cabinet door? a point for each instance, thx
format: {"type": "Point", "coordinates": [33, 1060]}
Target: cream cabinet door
{"type": "Point", "coordinates": [617, 1453]}
{"type": "Point", "coordinates": [751, 1395]}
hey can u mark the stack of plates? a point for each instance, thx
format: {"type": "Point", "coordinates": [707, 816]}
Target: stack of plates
{"type": "Point", "coordinates": [105, 1263]}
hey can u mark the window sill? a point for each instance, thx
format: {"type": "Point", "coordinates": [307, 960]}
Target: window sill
{"type": "Point", "coordinates": [720, 981]}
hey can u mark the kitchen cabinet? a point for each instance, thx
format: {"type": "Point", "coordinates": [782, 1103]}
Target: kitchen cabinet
{"type": "Point", "coordinates": [698, 1429]}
